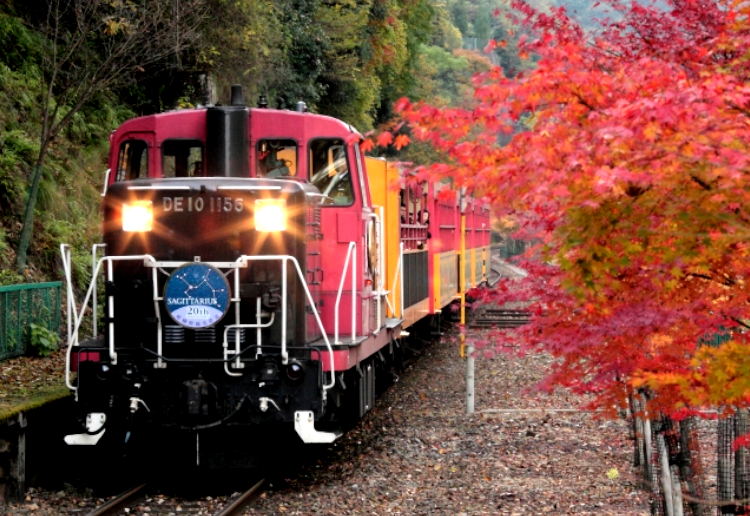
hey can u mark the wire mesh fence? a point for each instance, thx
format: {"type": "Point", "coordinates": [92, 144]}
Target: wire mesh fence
{"type": "Point", "coordinates": [692, 466]}
{"type": "Point", "coordinates": [511, 247]}
{"type": "Point", "coordinates": [24, 305]}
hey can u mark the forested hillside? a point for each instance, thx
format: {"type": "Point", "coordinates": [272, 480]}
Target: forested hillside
{"type": "Point", "coordinates": [72, 70]}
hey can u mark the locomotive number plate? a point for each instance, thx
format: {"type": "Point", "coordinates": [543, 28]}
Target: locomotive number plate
{"type": "Point", "coordinates": [210, 204]}
{"type": "Point", "coordinates": [197, 295]}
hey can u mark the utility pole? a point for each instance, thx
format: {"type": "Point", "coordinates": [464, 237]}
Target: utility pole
{"type": "Point", "coordinates": [462, 290]}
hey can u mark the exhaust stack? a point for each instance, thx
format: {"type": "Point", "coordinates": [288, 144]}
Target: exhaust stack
{"type": "Point", "coordinates": [227, 138]}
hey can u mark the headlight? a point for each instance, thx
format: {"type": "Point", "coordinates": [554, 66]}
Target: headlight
{"type": "Point", "coordinates": [137, 216]}
{"type": "Point", "coordinates": [270, 214]}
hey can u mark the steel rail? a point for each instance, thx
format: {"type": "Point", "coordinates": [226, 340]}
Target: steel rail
{"type": "Point", "coordinates": [239, 503]}
{"type": "Point", "coordinates": [498, 278]}
{"type": "Point", "coordinates": [119, 502]}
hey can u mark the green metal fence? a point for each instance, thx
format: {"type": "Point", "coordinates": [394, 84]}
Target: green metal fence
{"type": "Point", "coordinates": [22, 305]}
{"type": "Point", "coordinates": [511, 247]}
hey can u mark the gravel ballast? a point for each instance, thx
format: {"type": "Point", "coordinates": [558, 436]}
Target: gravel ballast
{"type": "Point", "coordinates": [418, 453]}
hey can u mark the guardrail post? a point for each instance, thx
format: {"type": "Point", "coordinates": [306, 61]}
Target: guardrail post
{"type": "Point", "coordinates": [13, 460]}
{"type": "Point", "coordinates": [18, 463]}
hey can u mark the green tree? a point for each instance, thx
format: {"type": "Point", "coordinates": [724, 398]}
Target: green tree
{"type": "Point", "coordinates": [483, 22]}
{"type": "Point", "coordinates": [399, 76]}
{"type": "Point", "coordinates": [458, 10]}
{"type": "Point", "coordinates": [351, 87]}
{"type": "Point", "coordinates": [89, 46]}
{"type": "Point", "coordinates": [506, 37]}
{"type": "Point", "coordinates": [248, 47]}
{"type": "Point", "coordinates": [444, 33]}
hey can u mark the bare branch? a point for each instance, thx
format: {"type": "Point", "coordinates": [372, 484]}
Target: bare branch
{"type": "Point", "coordinates": [112, 42]}
{"type": "Point", "coordinates": [92, 45]}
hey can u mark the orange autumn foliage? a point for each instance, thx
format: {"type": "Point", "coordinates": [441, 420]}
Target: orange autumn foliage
{"type": "Point", "coordinates": [627, 159]}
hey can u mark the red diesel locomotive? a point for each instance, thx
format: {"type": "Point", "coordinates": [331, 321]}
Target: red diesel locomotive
{"type": "Point", "coordinates": [258, 269]}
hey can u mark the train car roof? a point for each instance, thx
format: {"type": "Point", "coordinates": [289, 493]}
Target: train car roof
{"type": "Point", "coordinates": [179, 121]}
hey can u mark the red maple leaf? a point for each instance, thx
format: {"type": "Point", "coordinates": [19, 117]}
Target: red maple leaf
{"type": "Point", "coordinates": [385, 139]}
{"type": "Point", "coordinates": [402, 141]}
{"type": "Point", "coordinates": [367, 145]}
{"type": "Point", "coordinates": [402, 104]}
{"type": "Point", "coordinates": [627, 161]}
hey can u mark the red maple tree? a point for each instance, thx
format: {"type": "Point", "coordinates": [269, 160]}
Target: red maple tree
{"type": "Point", "coordinates": [628, 161]}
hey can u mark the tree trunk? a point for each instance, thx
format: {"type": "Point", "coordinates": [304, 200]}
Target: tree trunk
{"type": "Point", "coordinates": [690, 452]}
{"type": "Point", "coordinates": [648, 450]}
{"type": "Point", "coordinates": [665, 475]}
{"type": "Point", "coordinates": [28, 218]}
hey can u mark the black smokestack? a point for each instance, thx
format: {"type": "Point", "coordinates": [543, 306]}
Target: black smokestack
{"type": "Point", "coordinates": [227, 138]}
{"type": "Point", "coordinates": [237, 99]}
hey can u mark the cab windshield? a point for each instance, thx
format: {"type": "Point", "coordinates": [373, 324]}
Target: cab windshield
{"type": "Point", "coordinates": [330, 171]}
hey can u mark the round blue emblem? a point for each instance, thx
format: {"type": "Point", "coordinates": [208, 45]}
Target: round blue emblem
{"type": "Point", "coordinates": [197, 295]}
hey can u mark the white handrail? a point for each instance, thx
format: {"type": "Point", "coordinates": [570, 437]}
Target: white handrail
{"type": "Point", "coordinates": [350, 253]}
{"type": "Point", "coordinates": [111, 314]}
{"type": "Point", "coordinates": [258, 333]}
{"type": "Point", "coordinates": [401, 275]}
{"type": "Point", "coordinates": [160, 364]}
{"type": "Point", "coordinates": [106, 182]}
{"type": "Point", "coordinates": [354, 294]}
{"type": "Point", "coordinates": [65, 252]}
{"type": "Point", "coordinates": [380, 292]}
{"type": "Point", "coordinates": [284, 355]}
{"type": "Point", "coordinates": [78, 314]}
{"type": "Point", "coordinates": [237, 349]}
{"type": "Point", "coordinates": [284, 352]}
{"type": "Point", "coordinates": [94, 277]}
{"type": "Point", "coordinates": [388, 302]}
{"type": "Point", "coordinates": [398, 277]}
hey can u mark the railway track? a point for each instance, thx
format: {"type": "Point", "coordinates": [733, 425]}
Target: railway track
{"type": "Point", "coordinates": [486, 317]}
{"type": "Point", "coordinates": [492, 281]}
{"type": "Point", "coordinates": [136, 501]}
{"type": "Point", "coordinates": [498, 318]}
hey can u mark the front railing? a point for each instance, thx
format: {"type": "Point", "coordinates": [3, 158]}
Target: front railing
{"type": "Point", "coordinates": [230, 355]}
{"type": "Point", "coordinates": [350, 253]}
{"type": "Point", "coordinates": [24, 305]}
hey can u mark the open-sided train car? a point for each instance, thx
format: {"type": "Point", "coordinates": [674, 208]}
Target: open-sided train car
{"type": "Point", "coordinates": [257, 269]}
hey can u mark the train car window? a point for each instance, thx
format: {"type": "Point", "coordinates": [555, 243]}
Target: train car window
{"type": "Point", "coordinates": [408, 211]}
{"type": "Point", "coordinates": [182, 158]}
{"type": "Point", "coordinates": [132, 162]}
{"type": "Point", "coordinates": [423, 216]}
{"type": "Point", "coordinates": [277, 158]}
{"type": "Point", "coordinates": [330, 171]}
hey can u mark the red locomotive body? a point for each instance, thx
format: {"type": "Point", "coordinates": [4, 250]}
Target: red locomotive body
{"type": "Point", "coordinates": [247, 276]}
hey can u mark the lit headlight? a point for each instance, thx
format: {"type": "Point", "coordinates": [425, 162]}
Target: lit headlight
{"type": "Point", "coordinates": [137, 216]}
{"type": "Point", "coordinates": [270, 214]}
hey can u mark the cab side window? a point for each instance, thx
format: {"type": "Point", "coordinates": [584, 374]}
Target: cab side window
{"type": "Point", "coordinates": [132, 161]}
{"type": "Point", "coordinates": [330, 171]}
{"type": "Point", "coordinates": [182, 158]}
{"type": "Point", "coordinates": [277, 158]}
